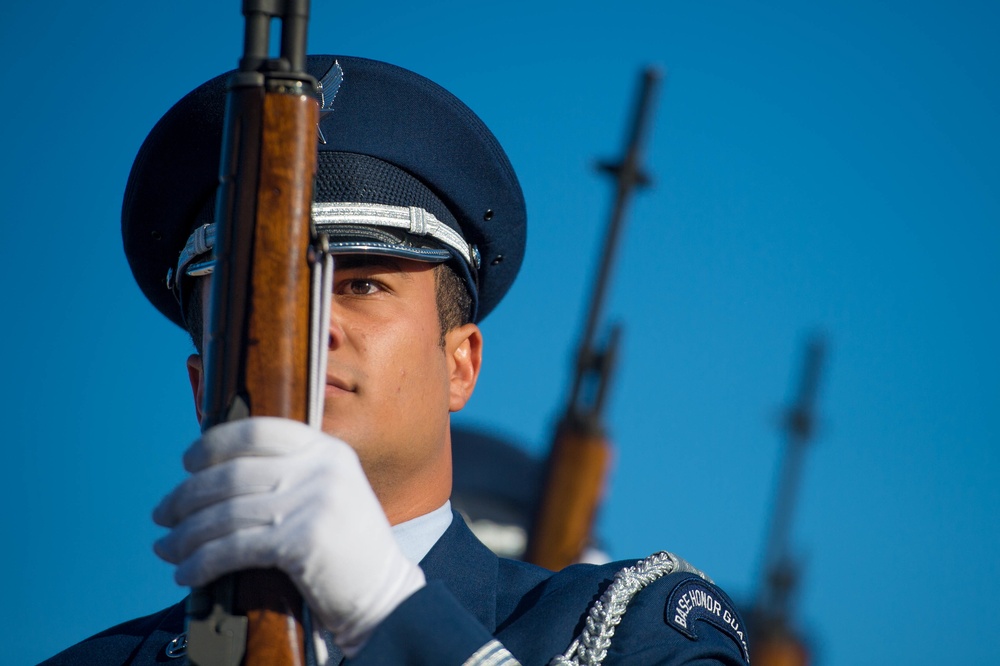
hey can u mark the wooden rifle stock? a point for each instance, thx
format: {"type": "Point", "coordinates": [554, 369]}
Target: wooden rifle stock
{"type": "Point", "coordinates": [258, 351]}
{"type": "Point", "coordinates": [577, 464]}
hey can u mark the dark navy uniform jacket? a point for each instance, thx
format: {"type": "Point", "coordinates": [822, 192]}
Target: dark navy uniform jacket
{"type": "Point", "coordinates": [473, 597]}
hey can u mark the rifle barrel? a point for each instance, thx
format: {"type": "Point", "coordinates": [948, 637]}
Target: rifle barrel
{"type": "Point", "coordinates": [628, 175]}
{"type": "Point", "coordinates": [578, 460]}
{"type": "Point", "coordinates": [779, 575]}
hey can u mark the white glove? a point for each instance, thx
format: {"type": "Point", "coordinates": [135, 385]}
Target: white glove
{"type": "Point", "coordinates": [269, 492]}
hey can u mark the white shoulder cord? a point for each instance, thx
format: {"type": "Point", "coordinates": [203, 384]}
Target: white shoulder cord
{"type": "Point", "coordinates": [591, 646]}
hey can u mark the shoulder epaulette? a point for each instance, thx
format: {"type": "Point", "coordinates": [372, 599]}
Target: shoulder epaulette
{"type": "Point", "coordinates": [591, 646]}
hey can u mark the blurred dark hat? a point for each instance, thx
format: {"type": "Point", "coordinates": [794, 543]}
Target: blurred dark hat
{"type": "Point", "coordinates": [404, 169]}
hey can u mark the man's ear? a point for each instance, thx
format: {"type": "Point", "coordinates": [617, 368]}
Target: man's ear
{"type": "Point", "coordinates": [196, 374]}
{"type": "Point", "coordinates": [464, 347]}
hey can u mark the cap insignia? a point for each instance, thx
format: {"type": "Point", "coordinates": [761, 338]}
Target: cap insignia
{"type": "Point", "coordinates": [327, 89]}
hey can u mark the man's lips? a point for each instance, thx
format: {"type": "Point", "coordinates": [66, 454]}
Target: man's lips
{"type": "Point", "coordinates": [338, 385]}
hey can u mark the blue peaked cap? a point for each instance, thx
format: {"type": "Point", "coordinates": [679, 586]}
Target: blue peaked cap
{"type": "Point", "coordinates": [392, 137]}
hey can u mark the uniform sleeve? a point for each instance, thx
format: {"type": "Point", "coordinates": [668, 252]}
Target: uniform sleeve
{"type": "Point", "coordinates": [432, 628]}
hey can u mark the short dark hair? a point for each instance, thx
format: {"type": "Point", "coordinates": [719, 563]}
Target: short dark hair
{"type": "Point", "coordinates": [454, 304]}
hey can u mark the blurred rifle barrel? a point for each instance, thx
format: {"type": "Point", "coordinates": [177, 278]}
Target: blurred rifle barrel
{"type": "Point", "coordinates": [776, 642]}
{"type": "Point", "coordinates": [628, 175]}
{"type": "Point", "coordinates": [577, 463]}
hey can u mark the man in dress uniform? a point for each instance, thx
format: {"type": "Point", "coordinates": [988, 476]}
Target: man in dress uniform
{"type": "Point", "coordinates": [427, 222]}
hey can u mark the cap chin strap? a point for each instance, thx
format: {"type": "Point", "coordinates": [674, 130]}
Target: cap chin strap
{"type": "Point", "coordinates": [326, 216]}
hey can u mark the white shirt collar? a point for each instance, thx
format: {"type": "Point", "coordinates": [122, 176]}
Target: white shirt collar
{"type": "Point", "coordinates": [417, 536]}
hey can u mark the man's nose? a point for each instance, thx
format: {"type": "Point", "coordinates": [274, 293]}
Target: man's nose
{"type": "Point", "coordinates": [335, 327]}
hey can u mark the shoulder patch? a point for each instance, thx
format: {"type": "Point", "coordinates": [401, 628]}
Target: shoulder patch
{"type": "Point", "coordinates": [694, 599]}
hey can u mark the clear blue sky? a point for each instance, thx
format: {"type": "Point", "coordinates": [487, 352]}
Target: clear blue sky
{"type": "Point", "coordinates": [822, 165]}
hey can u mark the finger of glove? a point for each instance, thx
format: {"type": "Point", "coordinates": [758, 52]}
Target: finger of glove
{"type": "Point", "coordinates": [258, 436]}
{"type": "Point", "coordinates": [219, 522]}
{"type": "Point", "coordinates": [234, 478]}
{"type": "Point", "coordinates": [250, 548]}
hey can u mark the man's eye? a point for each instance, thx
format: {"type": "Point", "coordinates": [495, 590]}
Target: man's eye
{"type": "Point", "coordinates": [361, 287]}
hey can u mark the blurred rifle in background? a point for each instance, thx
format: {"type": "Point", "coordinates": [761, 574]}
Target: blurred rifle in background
{"type": "Point", "coordinates": [575, 470]}
{"type": "Point", "coordinates": [774, 640]}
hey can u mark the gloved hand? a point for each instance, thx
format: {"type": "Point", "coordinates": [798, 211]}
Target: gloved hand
{"type": "Point", "coordinates": [269, 492]}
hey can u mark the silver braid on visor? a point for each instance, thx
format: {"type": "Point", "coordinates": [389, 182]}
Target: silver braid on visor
{"type": "Point", "coordinates": [352, 227]}
{"type": "Point", "coordinates": [411, 219]}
